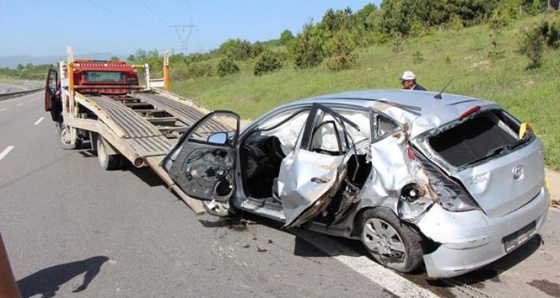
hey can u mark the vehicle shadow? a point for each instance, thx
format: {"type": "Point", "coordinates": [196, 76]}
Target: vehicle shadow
{"type": "Point", "coordinates": [47, 281]}
{"type": "Point", "coordinates": [146, 175]}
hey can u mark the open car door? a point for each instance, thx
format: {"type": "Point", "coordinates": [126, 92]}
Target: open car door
{"type": "Point", "coordinates": [313, 173]}
{"type": "Point", "coordinates": [52, 102]}
{"type": "Point", "coordinates": [202, 163]}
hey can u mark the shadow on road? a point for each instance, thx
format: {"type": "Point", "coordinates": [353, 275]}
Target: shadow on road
{"type": "Point", "coordinates": [147, 175]}
{"type": "Point", "coordinates": [47, 281]}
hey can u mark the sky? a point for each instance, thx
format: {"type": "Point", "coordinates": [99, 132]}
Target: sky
{"type": "Point", "coordinates": [120, 27]}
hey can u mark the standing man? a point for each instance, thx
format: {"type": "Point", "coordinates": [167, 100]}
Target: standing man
{"type": "Point", "coordinates": [408, 81]}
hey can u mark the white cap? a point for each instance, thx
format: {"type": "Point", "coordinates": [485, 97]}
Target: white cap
{"type": "Point", "coordinates": [408, 76]}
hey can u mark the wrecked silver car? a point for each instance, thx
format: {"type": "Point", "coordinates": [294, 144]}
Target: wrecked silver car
{"type": "Point", "coordinates": [448, 181]}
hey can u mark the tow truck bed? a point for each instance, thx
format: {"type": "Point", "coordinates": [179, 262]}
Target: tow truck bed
{"type": "Point", "coordinates": [143, 125]}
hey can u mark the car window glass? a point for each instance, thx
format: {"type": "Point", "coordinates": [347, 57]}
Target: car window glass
{"type": "Point", "coordinates": [384, 126]}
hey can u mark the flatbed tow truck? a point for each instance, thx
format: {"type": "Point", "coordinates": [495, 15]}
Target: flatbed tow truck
{"type": "Point", "coordinates": [104, 103]}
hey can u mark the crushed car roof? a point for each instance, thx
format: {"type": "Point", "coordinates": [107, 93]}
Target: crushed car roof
{"type": "Point", "coordinates": [421, 110]}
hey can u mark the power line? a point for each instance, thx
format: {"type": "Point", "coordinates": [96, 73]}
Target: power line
{"type": "Point", "coordinates": [153, 13]}
{"type": "Point", "coordinates": [190, 12]}
{"type": "Point", "coordinates": [116, 15]}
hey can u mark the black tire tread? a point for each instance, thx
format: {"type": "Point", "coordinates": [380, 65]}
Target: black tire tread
{"type": "Point", "coordinates": [411, 238]}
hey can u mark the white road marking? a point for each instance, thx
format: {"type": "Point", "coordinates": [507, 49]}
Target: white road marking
{"type": "Point", "coordinates": [2, 110]}
{"type": "Point", "coordinates": [6, 151]}
{"type": "Point", "coordinates": [19, 105]}
{"type": "Point", "coordinates": [39, 121]}
{"type": "Point", "coordinates": [378, 274]}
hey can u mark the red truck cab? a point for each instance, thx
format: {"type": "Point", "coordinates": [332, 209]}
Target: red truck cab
{"type": "Point", "coordinates": [113, 78]}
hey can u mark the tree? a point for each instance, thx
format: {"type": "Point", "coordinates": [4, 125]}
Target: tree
{"type": "Point", "coordinates": [531, 45]}
{"type": "Point", "coordinates": [140, 55]}
{"type": "Point", "coordinates": [310, 47]}
{"type": "Point", "coordinates": [286, 37]}
{"type": "Point", "coordinates": [268, 61]}
{"type": "Point", "coordinates": [343, 54]}
{"type": "Point", "coordinates": [365, 17]}
{"type": "Point", "coordinates": [227, 66]}
{"type": "Point", "coordinates": [236, 49]}
{"type": "Point", "coordinates": [115, 58]}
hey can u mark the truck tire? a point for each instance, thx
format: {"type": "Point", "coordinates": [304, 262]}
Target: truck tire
{"type": "Point", "coordinates": [63, 135]}
{"type": "Point", "coordinates": [107, 161]}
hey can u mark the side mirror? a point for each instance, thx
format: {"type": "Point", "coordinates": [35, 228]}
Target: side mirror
{"type": "Point", "coordinates": [219, 138]}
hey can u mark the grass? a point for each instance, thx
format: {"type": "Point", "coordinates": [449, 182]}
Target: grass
{"type": "Point", "coordinates": [462, 56]}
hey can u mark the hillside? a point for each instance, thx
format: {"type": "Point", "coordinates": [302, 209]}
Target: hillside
{"type": "Point", "coordinates": [460, 55]}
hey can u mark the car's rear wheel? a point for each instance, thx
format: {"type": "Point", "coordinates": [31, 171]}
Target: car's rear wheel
{"type": "Point", "coordinates": [389, 241]}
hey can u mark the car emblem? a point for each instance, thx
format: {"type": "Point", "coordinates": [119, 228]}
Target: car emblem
{"type": "Point", "coordinates": [518, 173]}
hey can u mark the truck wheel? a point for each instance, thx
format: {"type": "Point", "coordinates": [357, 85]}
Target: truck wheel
{"type": "Point", "coordinates": [107, 161]}
{"type": "Point", "coordinates": [389, 241]}
{"type": "Point", "coordinates": [64, 135]}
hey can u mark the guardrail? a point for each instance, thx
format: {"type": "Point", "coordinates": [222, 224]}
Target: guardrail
{"type": "Point", "coordinates": [5, 96]}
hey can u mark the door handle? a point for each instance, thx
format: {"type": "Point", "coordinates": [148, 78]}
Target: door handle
{"type": "Point", "coordinates": [319, 180]}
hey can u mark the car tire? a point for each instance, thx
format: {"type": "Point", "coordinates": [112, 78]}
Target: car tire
{"type": "Point", "coordinates": [62, 133]}
{"type": "Point", "coordinates": [389, 241]}
{"type": "Point", "coordinates": [107, 161]}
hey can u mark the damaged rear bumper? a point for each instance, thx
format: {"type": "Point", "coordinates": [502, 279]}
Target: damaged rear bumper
{"type": "Point", "coordinates": [456, 256]}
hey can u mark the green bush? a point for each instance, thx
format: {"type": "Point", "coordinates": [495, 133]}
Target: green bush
{"type": "Point", "coordinates": [227, 66]}
{"type": "Point", "coordinates": [531, 45]}
{"type": "Point", "coordinates": [268, 61]}
{"type": "Point", "coordinates": [550, 32]}
{"type": "Point", "coordinates": [308, 49]}
{"type": "Point", "coordinates": [343, 56]}
{"type": "Point", "coordinates": [417, 57]}
{"type": "Point", "coordinates": [532, 42]}
{"type": "Point", "coordinates": [185, 71]}
{"type": "Point", "coordinates": [397, 42]}
{"type": "Point", "coordinates": [236, 49]}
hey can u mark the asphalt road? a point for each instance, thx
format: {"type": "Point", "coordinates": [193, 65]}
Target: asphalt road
{"type": "Point", "coordinates": [74, 230]}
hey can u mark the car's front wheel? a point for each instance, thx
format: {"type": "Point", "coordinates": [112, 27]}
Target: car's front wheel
{"type": "Point", "coordinates": [390, 242]}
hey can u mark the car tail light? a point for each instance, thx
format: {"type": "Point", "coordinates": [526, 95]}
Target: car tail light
{"type": "Point", "coordinates": [469, 112]}
{"type": "Point", "coordinates": [451, 194]}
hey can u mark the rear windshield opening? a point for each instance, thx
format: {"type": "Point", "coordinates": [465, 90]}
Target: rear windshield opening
{"type": "Point", "coordinates": [478, 138]}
